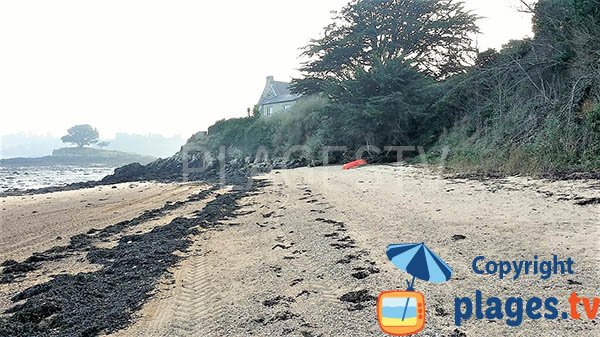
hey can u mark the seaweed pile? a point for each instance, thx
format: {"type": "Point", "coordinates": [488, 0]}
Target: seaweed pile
{"type": "Point", "coordinates": [103, 301]}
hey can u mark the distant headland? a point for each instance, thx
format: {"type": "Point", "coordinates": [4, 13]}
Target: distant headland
{"type": "Point", "coordinates": [80, 156]}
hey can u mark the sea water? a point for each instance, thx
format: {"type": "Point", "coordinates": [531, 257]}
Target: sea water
{"type": "Point", "coordinates": [22, 178]}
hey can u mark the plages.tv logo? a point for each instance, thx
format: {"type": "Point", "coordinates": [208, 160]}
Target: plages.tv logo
{"type": "Point", "coordinates": [402, 313]}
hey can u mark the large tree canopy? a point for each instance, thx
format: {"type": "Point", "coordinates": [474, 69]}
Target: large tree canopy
{"type": "Point", "coordinates": [81, 135]}
{"type": "Point", "coordinates": [435, 36]}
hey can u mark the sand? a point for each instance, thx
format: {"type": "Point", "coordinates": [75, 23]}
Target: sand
{"type": "Point", "coordinates": [306, 256]}
{"type": "Point", "coordinates": [35, 223]}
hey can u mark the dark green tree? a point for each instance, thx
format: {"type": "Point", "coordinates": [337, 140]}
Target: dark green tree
{"type": "Point", "coordinates": [434, 36]}
{"type": "Point", "coordinates": [384, 105]}
{"type": "Point", "coordinates": [81, 135]}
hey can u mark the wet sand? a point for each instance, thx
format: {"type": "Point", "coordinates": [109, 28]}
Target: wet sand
{"type": "Point", "coordinates": [305, 255]}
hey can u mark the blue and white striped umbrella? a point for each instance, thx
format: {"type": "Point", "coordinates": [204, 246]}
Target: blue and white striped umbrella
{"type": "Point", "coordinates": [420, 262]}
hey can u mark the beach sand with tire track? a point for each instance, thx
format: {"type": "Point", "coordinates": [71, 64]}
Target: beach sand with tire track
{"type": "Point", "coordinates": [309, 259]}
{"type": "Point", "coordinates": [304, 255]}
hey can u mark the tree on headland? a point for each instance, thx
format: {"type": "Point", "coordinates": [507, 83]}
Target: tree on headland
{"type": "Point", "coordinates": [81, 135]}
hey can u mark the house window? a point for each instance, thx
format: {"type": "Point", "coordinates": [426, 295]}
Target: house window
{"type": "Point", "coordinates": [269, 111]}
{"type": "Point", "coordinates": [286, 107]}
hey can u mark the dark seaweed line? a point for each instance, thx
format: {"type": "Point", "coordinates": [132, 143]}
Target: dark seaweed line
{"type": "Point", "coordinates": [78, 243]}
{"type": "Point", "coordinates": [51, 189]}
{"type": "Point", "coordinates": [103, 301]}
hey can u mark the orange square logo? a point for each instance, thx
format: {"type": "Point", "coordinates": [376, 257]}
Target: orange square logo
{"type": "Point", "coordinates": [401, 313]}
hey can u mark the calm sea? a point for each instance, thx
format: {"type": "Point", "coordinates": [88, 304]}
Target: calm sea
{"type": "Point", "coordinates": [43, 176]}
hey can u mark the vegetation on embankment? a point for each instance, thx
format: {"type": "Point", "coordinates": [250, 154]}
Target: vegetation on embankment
{"type": "Point", "coordinates": [405, 73]}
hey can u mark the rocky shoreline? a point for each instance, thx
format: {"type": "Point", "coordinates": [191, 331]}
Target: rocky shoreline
{"type": "Point", "coordinates": [235, 172]}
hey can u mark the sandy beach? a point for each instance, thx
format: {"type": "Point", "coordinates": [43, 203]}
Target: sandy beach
{"type": "Point", "coordinates": [301, 252]}
{"type": "Point", "coordinates": [38, 222]}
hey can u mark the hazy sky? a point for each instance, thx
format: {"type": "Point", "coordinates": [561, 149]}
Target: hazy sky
{"type": "Point", "coordinates": [170, 67]}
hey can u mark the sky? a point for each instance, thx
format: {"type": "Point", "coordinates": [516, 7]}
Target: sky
{"type": "Point", "coordinates": [167, 67]}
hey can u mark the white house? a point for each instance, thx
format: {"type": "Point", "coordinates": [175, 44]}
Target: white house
{"type": "Point", "coordinates": [276, 97]}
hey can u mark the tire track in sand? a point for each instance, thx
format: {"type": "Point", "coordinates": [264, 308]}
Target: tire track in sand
{"type": "Point", "coordinates": [197, 306]}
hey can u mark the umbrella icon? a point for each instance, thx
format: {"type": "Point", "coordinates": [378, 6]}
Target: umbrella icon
{"type": "Point", "coordinates": [420, 262]}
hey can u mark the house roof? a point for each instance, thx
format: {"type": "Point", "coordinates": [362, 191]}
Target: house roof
{"type": "Point", "coordinates": [277, 92]}
{"type": "Point", "coordinates": [281, 99]}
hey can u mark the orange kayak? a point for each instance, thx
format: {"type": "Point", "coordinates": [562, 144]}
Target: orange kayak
{"type": "Point", "coordinates": [354, 164]}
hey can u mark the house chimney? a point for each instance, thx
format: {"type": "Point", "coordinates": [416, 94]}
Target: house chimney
{"type": "Point", "coordinates": [269, 79]}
